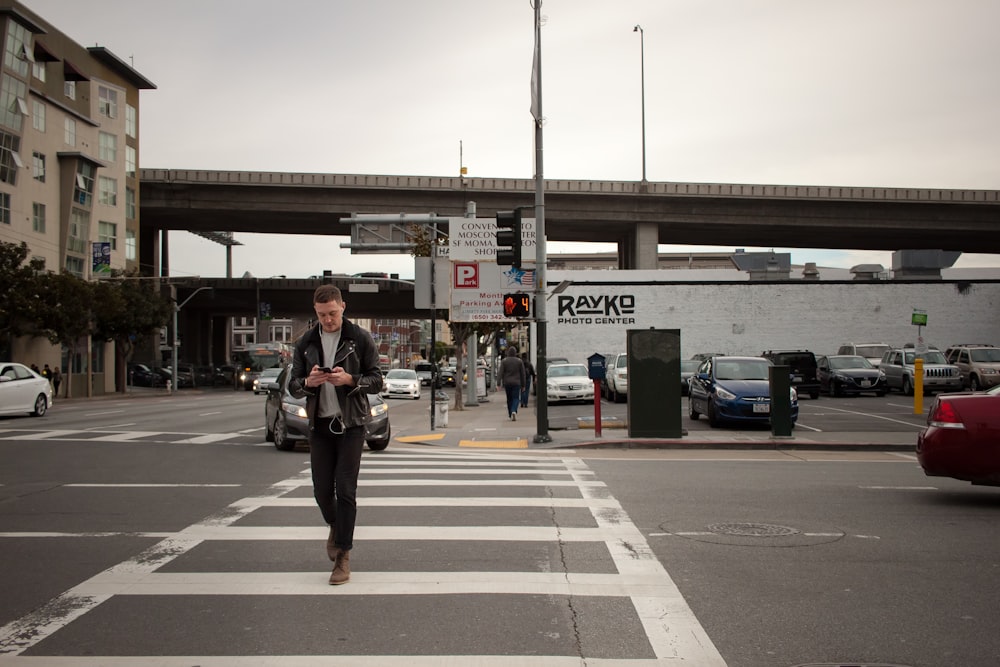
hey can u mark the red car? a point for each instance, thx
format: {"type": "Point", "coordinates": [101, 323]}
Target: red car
{"type": "Point", "coordinates": [962, 438]}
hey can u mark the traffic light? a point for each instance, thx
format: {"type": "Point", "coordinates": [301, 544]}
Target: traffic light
{"type": "Point", "coordinates": [509, 238]}
{"type": "Point", "coordinates": [517, 305]}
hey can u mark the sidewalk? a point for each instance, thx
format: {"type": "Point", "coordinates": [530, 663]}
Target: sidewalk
{"type": "Point", "coordinates": [486, 425]}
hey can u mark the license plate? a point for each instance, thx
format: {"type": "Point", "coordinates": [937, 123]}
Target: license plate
{"type": "Point", "coordinates": [866, 383]}
{"type": "Point", "coordinates": [762, 407]}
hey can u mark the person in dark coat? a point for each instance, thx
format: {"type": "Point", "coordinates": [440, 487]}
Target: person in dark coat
{"type": "Point", "coordinates": [334, 367]}
{"type": "Point", "coordinates": [513, 377]}
{"type": "Point", "coordinates": [530, 376]}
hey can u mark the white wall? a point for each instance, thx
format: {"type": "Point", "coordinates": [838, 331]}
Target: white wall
{"type": "Point", "coordinates": [593, 313]}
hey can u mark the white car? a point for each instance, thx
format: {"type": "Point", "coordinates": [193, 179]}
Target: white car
{"type": "Point", "coordinates": [266, 377]}
{"type": "Point", "coordinates": [23, 391]}
{"type": "Point", "coordinates": [568, 382]}
{"type": "Point", "coordinates": [401, 382]}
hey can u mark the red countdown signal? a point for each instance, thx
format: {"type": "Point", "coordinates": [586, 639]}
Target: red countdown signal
{"type": "Point", "coordinates": [517, 305]}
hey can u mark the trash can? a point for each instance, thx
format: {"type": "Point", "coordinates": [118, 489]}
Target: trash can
{"type": "Point", "coordinates": [441, 414]}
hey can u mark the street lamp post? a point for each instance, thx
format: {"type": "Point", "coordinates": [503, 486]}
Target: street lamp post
{"type": "Point", "coordinates": [642, 74]}
{"type": "Point", "coordinates": [177, 309]}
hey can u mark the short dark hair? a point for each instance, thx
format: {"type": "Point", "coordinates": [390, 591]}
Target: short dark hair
{"type": "Point", "coordinates": [326, 294]}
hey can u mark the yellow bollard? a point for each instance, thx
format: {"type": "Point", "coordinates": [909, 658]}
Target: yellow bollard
{"type": "Point", "coordinates": [918, 386]}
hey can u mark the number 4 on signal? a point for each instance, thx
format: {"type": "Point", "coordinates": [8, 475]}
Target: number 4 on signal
{"type": "Point", "coordinates": [517, 305]}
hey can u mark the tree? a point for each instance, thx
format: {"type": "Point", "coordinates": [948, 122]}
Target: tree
{"type": "Point", "coordinates": [65, 313]}
{"type": "Point", "coordinates": [128, 311]}
{"type": "Point", "coordinates": [19, 285]}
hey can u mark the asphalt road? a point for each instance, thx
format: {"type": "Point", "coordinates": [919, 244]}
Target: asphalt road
{"type": "Point", "coordinates": [166, 531]}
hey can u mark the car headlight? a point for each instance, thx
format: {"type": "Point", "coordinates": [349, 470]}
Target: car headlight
{"type": "Point", "coordinates": [722, 393]}
{"type": "Point", "coordinates": [379, 409]}
{"type": "Point", "coordinates": [294, 409]}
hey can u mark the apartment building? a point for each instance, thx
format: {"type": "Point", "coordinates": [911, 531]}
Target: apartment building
{"type": "Point", "coordinates": [69, 152]}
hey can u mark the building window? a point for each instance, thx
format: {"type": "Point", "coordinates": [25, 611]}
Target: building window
{"type": "Point", "coordinates": [107, 102]}
{"type": "Point", "coordinates": [107, 232]}
{"type": "Point", "coordinates": [130, 203]}
{"type": "Point", "coordinates": [83, 190]}
{"type": "Point", "coordinates": [109, 147]}
{"type": "Point", "coordinates": [18, 53]}
{"type": "Point", "coordinates": [4, 208]}
{"type": "Point", "coordinates": [38, 71]}
{"type": "Point", "coordinates": [130, 121]}
{"type": "Point", "coordinates": [79, 231]}
{"type": "Point", "coordinates": [74, 265]}
{"type": "Point", "coordinates": [12, 106]}
{"type": "Point", "coordinates": [108, 191]}
{"type": "Point", "coordinates": [280, 333]}
{"type": "Point", "coordinates": [38, 115]}
{"type": "Point", "coordinates": [130, 245]}
{"type": "Point", "coordinates": [130, 161]}
{"type": "Point", "coordinates": [10, 160]}
{"type": "Point", "coordinates": [38, 166]}
{"type": "Point", "coordinates": [69, 132]}
{"type": "Point", "coordinates": [69, 89]}
{"type": "Point", "coordinates": [38, 217]}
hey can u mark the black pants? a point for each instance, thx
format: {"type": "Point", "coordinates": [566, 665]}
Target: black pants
{"type": "Point", "coordinates": [336, 462]}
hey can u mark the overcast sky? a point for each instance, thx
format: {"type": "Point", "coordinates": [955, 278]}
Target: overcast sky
{"type": "Point", "coordinates": [880, 93]}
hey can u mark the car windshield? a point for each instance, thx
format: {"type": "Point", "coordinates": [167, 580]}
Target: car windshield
{"type": "Point", "coordinates": [401, 374]}
{"type": "Point", "coordinates": [428, 368]}
{"type": "Point", "coordinates": [689, 365]}
{"type": "Point", "coordinates": [569, 370]}
{"type": "Point", "coordinates": [872, 351]}
{"type": "Point", "coordinates": [988, 355]}
{"type": "Point", "coordinates": [741, 370]}
{"type": "Point", "coordinates": [270, 373]}
{"type": "Point", "coordinates": [930, 357]}
{"type": "Point", "coordinates": [849, 362]}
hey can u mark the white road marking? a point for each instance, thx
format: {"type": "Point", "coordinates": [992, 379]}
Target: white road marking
{"type": "Point", "coordinates": [209, 414]}
{"type": "Point", "coordinates": [899, 488]}
{"type": "Point", "coordinates": [811, 428]}
{"type": "Point", "coordinates": [143, 486]}
{"type": "Point", "coordinates": [888, 419]}
{"type": "Point", "coordinates": [106, 412]}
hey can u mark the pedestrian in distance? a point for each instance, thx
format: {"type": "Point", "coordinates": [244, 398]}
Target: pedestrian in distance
{"type": "Point", "coordinates": [513, 377]}
{"type": "Point", "coordinates": [56, 380]}
{"type": "Point", "coordinates": [529, 375]}
{"type": "Point", "coordinates": [46, 373]}
{"type": "Point", "coordinates": [334, 367]}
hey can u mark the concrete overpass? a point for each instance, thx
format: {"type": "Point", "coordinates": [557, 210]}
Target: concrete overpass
{"type": "Point", "coordinates": [637, 216]}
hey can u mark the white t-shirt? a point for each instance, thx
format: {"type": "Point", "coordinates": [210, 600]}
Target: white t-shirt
{"type": "Point", "coordinates": [328, 405]}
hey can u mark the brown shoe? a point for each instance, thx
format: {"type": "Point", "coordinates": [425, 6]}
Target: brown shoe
{"type": "Point", "coordinates": [331, 548]}
{"type": "Point", "coordinates": [342, 569]}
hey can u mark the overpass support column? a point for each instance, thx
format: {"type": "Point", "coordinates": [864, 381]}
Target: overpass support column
{"type": "Point", "coordinates": [645, 253]}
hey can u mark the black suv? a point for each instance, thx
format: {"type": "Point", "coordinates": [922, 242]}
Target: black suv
{"type": "Point", "coordinates": [803, 367]}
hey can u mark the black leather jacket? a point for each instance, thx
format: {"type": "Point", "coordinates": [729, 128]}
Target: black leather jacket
{"type": "Point", "coordinates": [357, 354]}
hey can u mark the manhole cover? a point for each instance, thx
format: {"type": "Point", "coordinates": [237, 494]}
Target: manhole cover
{"type": "Point", "coordinates": [753, 529]}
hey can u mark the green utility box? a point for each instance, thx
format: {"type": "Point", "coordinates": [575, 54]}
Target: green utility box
{"type": "Point", "coordinates": [780, 381]}
{"type": "Point", "coordinates": [654, 383]}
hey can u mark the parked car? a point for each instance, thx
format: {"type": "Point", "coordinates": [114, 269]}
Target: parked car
{"type": "Point", "coordinates": [23, 391]}
{"type": "Point", "coordinates": [961, 437]}
{"type": "Point", "coordinates": [802, 364]}
{"type": "Point", "coordinates": [688, 368]}
{"type": "Point", "coordinates": [286, 422]}
{"type": "Point", "coordinates": [873, 352]}
{"type": "Point", "coordinates": [978, 364]}
{"type": "Point", "coordinates": [734, 389]}
{"type": "Point", "coordinates": [224, 376]}
{"type": "Point", "coordinates": [401, 382]}
{"type": "Point", "coordinates": [841, 374]}
{"type": "Point", "coordinates": [939, 375]}
{"type": "Point", "coordinates": [425, 371]}
{"type": "Point", "coordinates": [204, 376]}
{"type": "Point", "coordinates": [568, 382]}
{"type": "Point", "coordinates": [185, 376]}
{"type": "Point", "coordinates": [141, 375]}
{"type": "Point", "coordinates": [266, 376]}
{"type": "Point", "coordinates": [615, 384]}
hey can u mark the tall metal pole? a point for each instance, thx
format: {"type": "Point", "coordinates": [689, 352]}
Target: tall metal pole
{"type": "Point", "coordinates": [642, 74]}
{"type": "Point", "coordinates": [542, 403]}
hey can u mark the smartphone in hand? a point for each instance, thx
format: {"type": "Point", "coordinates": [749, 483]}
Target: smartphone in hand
{"type": "Point", "coordinates": [324, 369]}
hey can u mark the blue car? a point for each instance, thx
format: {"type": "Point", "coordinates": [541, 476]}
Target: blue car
{"type": "Point", "coordinates": [733, 389]}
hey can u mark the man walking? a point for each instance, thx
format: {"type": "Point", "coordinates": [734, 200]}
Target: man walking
{"type": "Point", "coordinates": [513, 377]}
{"type": "Point", "coordinates": [335, 367]}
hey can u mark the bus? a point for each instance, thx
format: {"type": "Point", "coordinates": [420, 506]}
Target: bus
{"type": "Point", "coordinates": [255, 358]}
